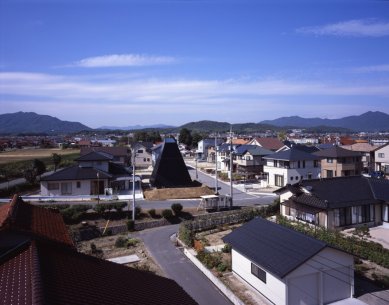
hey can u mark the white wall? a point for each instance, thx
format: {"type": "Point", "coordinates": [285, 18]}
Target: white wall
{"type": "Point", "coordinates": [84, 189]}
{"type": "Point", "coordinates": [274, 289]}
{"type": "Point", "coordinates": [289, 173]}
{"type": "Point", "coordinates": [329, 273]}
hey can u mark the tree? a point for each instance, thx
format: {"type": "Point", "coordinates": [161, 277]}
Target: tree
{"type": "Point", "coordinates": [30, 175]}
{"type": "Point", "coordinates": [185, 137]}
{"type": "Point", "coordinates": [39, 167]}
{"type": "Point", "coordinates": [56, 160]}
{"type": "Point", "coordinates": [196, 138]}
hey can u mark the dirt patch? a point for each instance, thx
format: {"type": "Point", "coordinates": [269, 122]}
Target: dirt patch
{"type": "Point", "coordinates": [105, 248]}
{"type": "Point", "coordinates": [177, 193]}
{"type": "Point", "coordinates": [30, 154]}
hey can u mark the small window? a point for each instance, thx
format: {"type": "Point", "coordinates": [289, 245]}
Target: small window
{"type": "Point", "coordinates": [291, 178]}
{"type": "Point", "coordinates": [140, 151]}
{"type": "Point", "coordinates": [78, 184]}
{"type": "Point", "coordinates": [258, 272]}
{"type": "Point", "coordinates": [148, 159]}
{"type": "Point", "coordinates": [381, 155]}
{"type": "Point", "coordinates": [144, 159]}
{"type": "Point", "coordinates": [297, 177]}
{"type": "Point", "coordinates": [330, 160]}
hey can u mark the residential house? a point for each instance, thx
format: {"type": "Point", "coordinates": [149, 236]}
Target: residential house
{"type": "Point", "coordinates": [289, 267]}
{"type": "Point", "coordinates": [249, 160]}
{"type": "Point", "coordinates": [94, 174]}
{"type": "Point", "coordinates": [143, 154]}
{"type": "Point", "coordinates": [338, 162]}
{"type": "Point", "coordinates": [367, 151]}
{"type": "Point", "coordinates": [119, 155]}
{"type": "Point", "coordinates": [381, 156]}
{"type": "Point", "coordinates": [290, 166]}
{"type": "Point", "coordinates": [40, 265]}
{"type": "Point", "coordinates": [337, 203]}
{"type": "Point", "coordinates": [203, 145]}
{"type": "Point", "coordinates": [269, 143]}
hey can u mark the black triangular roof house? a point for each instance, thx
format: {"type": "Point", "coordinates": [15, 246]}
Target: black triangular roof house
{"type": "Point", "coordinates": [170, 169]}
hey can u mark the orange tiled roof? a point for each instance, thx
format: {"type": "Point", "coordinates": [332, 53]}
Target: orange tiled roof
{"type": "Point", "coordinates": [46, 223]}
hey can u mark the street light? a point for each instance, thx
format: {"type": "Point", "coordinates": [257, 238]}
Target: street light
{"type": "Point", "coordinates": [98, 187]}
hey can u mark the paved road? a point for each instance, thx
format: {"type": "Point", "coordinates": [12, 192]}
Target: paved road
{"type": "Point", "coordinates": [18, 181]}
{"type": "Point", "coordinates": [177, 266]}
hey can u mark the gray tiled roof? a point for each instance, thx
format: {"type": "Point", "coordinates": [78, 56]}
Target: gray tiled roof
{"type": "Point", "coordinates": [77, 173]}
{"type": "Point", "coordinates": [292, 154]}
{"type": "Point", "coordinates": [337, 152]}
{"type": "Point", "coordinates": [95, 156]}
{"type": "Point", "coordinates": [275, 248]}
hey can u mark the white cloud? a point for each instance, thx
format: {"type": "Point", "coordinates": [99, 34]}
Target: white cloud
{"type": "Point", "coordinates": [354, 28]}
{"type": "Point", "coordinates": [124, 60]}
{"type": "Point", "coordinates": [120, 99]}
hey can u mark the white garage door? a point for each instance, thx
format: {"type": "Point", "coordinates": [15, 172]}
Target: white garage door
{"type": "Point", "coordinates": [304, 290]}
{"type": "Point", "coordinates": [337, 284]}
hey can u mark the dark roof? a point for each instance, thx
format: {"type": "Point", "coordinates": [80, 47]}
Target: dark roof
{"type": "Point", "coordinates": [118, 170]}
{"type": "Point", "coordinates": [170, 169]}
{"type": "Point", "coordinates": [308, 149]}
{"type": "Point", "coordinates": [147, 145]}
{"type": "Point", "coordinates": [45, 273]}
{"type": "Point", "coordinates": [95, 156]}
{"type": "Point", "coordinates": [259, 151]}
{"type": "Point", "coordinates": [275, 248]}
{"type": "Point", "coordinates": [76, 173]}
{"type": "Point", "coordinates": [113, 151]}
{"type": "Point", "coordinates": [337, 152]}
{"type": "Point", "coordinates": [325, 146]}
{"type": "Point", "coordinates": [292, 154]}
{"type": "Point", "coordinates": [34, 220]}
{"type": "Point", "coordinates": [338, 192]}
{"type": "Point", "coordinates": [241, 149]}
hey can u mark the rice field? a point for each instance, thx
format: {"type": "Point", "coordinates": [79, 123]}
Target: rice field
{"type": "Point", "coordinates": [31, 154]}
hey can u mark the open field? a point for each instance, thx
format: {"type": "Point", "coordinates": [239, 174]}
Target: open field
{"type": "Point", "coordinates": [30, 154]}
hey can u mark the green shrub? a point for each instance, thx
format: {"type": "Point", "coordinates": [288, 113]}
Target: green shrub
{"type": "Point", "coordinates": [167, 213]}
{"type": "Point", "coordinates": [186, 234]}
{"type": "Point", "coordinates": [119, 206]}
{"type": "Point", "coordinates": [226, 248]}
{"type": "Point", "coordinates": [130, 225]}
{"type": "Point", "coordinates": [210, 260]}
{"type": "Point", "coordinates": [138, 211]}
{"type": "Point", "coordinates": [221, 267]}
{"type": "Point", "coordinates": [121, 242]}
{"type": "Point", "coordinates": [132, 242]}
{"type": "Point", "coordinates": [100, 208]}
{"type": "Point", "coordinates": [152, 213]}
{"type": "Point", "coordinates": [176, 208]}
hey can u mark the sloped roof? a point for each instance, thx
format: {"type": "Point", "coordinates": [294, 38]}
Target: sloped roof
{"type": "Point", "coordinates": [337, 152]}
{"type": "Point", "coordinates": [259, 151]}
{"type": "Point", "coordinates": [76, 173]}
{"type": "Point", "coordinates": [170, 169]}
{"type": "Point", "coordinates": [114, 151]}
{"type": "Point", "coordinates": [362, 147]}
{"type": "Point", "coordinates": [38, 221]}
{"type": "Point", "coordinates": [338, 192]}
{"type": "Point", "coordinates": [269, 143]}
{"type": "Point", "coordinates": [43, 273]}
{"type": "Point", "coordinates": [95, 156]}
{"type": "Point", "coordinates": [275, 248]}
{"type": "Point", "coordinates": [147, 145]}
{"type": "Point", "coordinates": [241, 149]}
{"type": "Point", "coordinates": [292, 154]}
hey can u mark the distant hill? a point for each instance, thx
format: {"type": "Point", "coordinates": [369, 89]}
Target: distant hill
{"type": "Point", "coordinates": [212, 126]}
{"type": "Point", "coordinates": [136, 127]}
{"type": "Point", "coordinates": [30, 122]}
{"type": "Point", "coordinates": [369, 121]}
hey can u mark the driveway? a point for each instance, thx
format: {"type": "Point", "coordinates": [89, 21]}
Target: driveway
{"type": "Point", "coordinates": [177, 267]}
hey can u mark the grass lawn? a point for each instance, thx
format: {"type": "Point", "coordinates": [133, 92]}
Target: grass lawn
{"type": "Point", "coordinates": [31, 154]}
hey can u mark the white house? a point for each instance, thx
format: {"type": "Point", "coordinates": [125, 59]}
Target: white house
{"type": "Point", "coordinates": [291, 166]}
{"type": "Point", "coordinates": [288, 267]}
{"type": "Point", "coordinates": [94, 174]}
{"type": "Point", "coordinates": [381, 156]}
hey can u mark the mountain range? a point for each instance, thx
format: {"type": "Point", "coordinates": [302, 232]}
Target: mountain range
{"type": "Point", "coordinates": [369, 121]}
{"type": "Point", "coordinates": [30, 122]}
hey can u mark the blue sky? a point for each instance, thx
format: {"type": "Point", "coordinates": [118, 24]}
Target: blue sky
{"type": "Point", "coordinates": [144, 62]}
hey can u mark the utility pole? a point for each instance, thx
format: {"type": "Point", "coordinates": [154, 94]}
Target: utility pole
{"type": "Point", "coordinates": [197, 176]}
{"type": "Point", "coordinates": [98, 188]}
{"type": "Point", "coordinates": [216, 182]}
{"type": "Point", "coordinates": [133, 184]}
{"type": "Point", "coordinates": [231, 164]}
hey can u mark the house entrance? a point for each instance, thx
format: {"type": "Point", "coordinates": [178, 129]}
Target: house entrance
{"type": "Point", "coordinates": [97, 187]}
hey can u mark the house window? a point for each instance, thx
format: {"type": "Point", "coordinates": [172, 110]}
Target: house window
{"type": "Point", "coordinates": [330, 160]}
{"type": "Point", "coordinates": [304, 164]}
{"type": "Point", "coordinates": [66, 188]}
{"type": "Point", "coordinates": [298, 164]}
{"type": "Point", "coordinates": [140, 151]}
{"type": "Point", "coordinates": [329, 173]}
{"type": "Point", "coordinates": [315, 163]}
{"type": "Point", "coordinates": [306, 217]}
{"type": "Point", "coordinates": [144, 159]}
{"type": "Point", "coordinates": [287, 210]}
{"type": "Point", "coordinates": [297, 178]}
{"type": "Point", "coordinates": [53, 186]}
{"type": "Point", "coordinates": [291, 178]}
{"type": "Point", "coordinates": [78, 184]}
{"type": "Point", "coordinates": [381, 155]}
{"type": "Point", "coordinates": [148, 159]}
{"type": "Point", "coordinates": [258, 272]}
{"type": "Point", "coordinates": [309, 175]}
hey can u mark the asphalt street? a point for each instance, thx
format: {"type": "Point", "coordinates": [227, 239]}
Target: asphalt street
{"type": "Point", "coordinates": [178, 267]}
